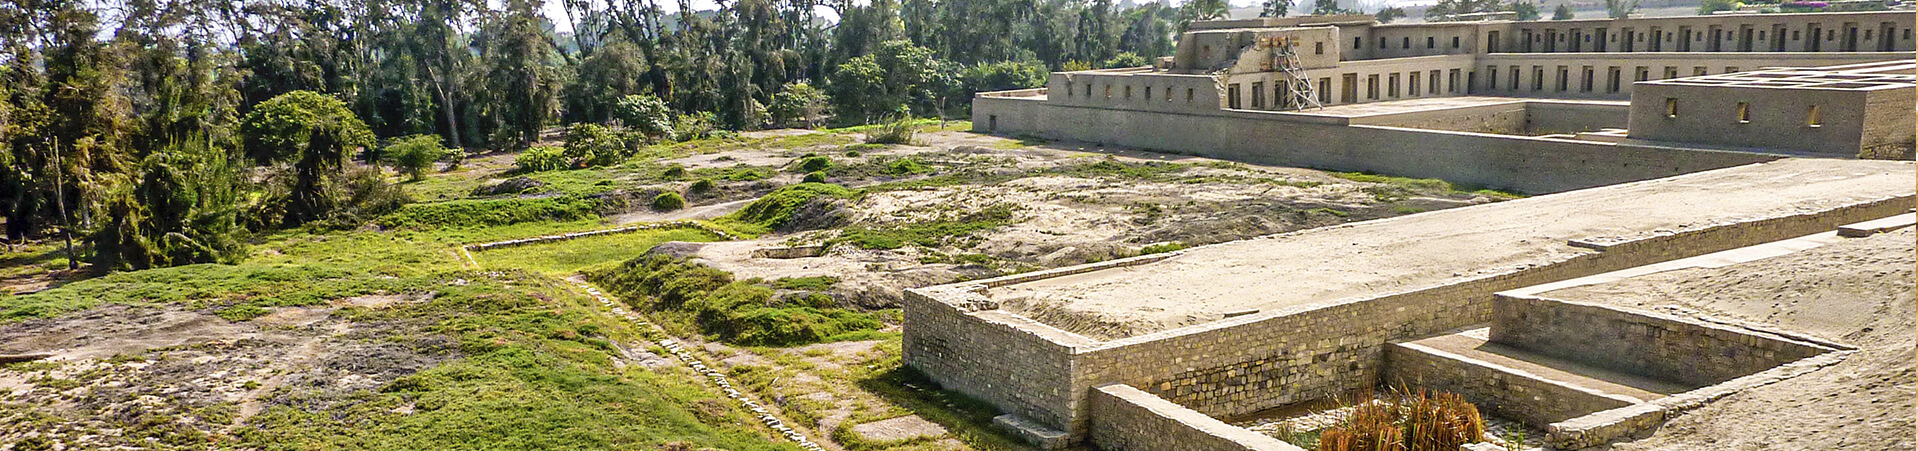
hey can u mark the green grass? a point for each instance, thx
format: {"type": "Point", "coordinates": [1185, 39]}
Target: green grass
{"type": "Point", "coordinates": [817, 283]}
{"type": "Point", "coordinates": [571, 256]}
{"type": "Point", "coordinates": [491, 212]}
{"type": "Point", "coordinates": [776, 208]}
{"type": "Point", "coordinates": [1400, 186]}
{"type": "Point", "coordinates": [926, 234]}
{"type": "Point", "coordinates": [688, 297]}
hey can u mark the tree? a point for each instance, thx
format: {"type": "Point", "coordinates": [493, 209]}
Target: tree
{"type": "Point", "coordinates": [1712, 6]}
{"type": "Point", "coordinates": [1197, 10]}
{"type": "Point", "coordinates": [1389, 14]}
{"type": "Point", "coordinates": [1275, 8]}
{"type": "Point", "coordinates": [798, 103]}
{"type": "Point", "coordinates": [1327, 8]}
{"type": "Point", "coordinates": [314, 134]}
{"type": "Point", "coordinates": [1562, 12]}
{"type": "Point", "coordinates": [522, 84]}
{"type": "Point", "coordinates": [884, 84]}
{"type": "Point", "coordinates": [604, 79]}
{"type": "Point", "coordinates": [414, 154]}
{"type": "Point", "coordinates": [1525, 10]}
{"type": "Point", "coordinates": [1619, 9]}
{"type": "Point", "coordinates": [183, 210]}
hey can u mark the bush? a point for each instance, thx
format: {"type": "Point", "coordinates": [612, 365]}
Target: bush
{"type": "Point", "coordinates": [674, 172]}
{"type": "Point", "coordinates": [1126, 59]}
{"type": "Point", "coordinates": [645, 114]}
{"type": "Point", "coordinates": [906, 166]}
{"type": "Point", "coordinates": [815, 177]}
{"type": "Point", "coordinates": [589, 145]}
{"type": "Point", "coordinates": [898, 131]}
{"type": "Point", "coordinates": [413, 155]}
{"type": "Point", "coordinates": [797, 104]}
{"type": "Point", "coordinates": [773, 210]}
{"type": "Point", "coordinates": [542, 158]}
{"type": "Point", "coordinates": [814, 163]}
{"type": "Point", "coordinates": [668, 201]}
{"type": "Point", "coordinates": [688, 127]}
{"type": "Point", "coordinates": [702, 186]}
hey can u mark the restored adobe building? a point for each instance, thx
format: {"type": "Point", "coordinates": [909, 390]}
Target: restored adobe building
{"type": "Point", "coordinates": [1557, 77]}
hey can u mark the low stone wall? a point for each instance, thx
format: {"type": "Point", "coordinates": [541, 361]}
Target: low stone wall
{"type": "Point", "coordinates": [1127, 419]}
{"type": "Point", "coordinates": [1509, 393]}
{"type": "Point", "coordinates": [1019, 365]}
{"type": "Point", "coordinates": [1603, 427]}
{"type": "Point", "coordinates": [1519, 163]}
{"type": "Point", "coordinates": [1643, 343]}
{"type": "Point", "coordinates": [1500, 118]}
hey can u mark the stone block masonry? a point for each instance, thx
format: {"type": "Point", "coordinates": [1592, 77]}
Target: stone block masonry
{"type": "Point", "coordinates": [1510, 393]}
{"type": "Point", "coordinates": [1127, 419]}
{"type": "Point", "coordinates": [1645, 343]}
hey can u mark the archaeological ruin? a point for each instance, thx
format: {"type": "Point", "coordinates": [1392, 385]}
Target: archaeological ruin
{"type": "Point", "coordinates": [1648, 145]}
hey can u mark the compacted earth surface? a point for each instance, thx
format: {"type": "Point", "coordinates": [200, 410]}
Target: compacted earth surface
{"type": "Point", "coordinates": [1857, 292]}
{"type": "Point", "coordinates": [398, 335]}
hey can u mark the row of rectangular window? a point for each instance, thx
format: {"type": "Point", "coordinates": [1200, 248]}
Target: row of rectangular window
{"type": "Point", "coordinates": [1612, 73]}
{"type": "Point", "coordinates": [1742, 114]}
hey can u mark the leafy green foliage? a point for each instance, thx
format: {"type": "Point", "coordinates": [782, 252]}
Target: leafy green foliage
{"type": "Point", "coordinates": [798, 104]}
{"type": "Point", "coordinates": [701, 125]}
{"type": "Point", "coordinates": [646, 114]}
{"type": "Point", "coordinates": [702, 186]}
{"type": "Point", "coordinates": [906, 166]}
{"type": "Point", "coordinates": [414, 154]}
{"type": "Point", "coordinates": [814, 177]}
{"type": "Point", "coordinates": [814, 163]}
{"type": "Point", "coordinates": [563, 258]}
{"type": "Point", "coordinates": [313, 132]}
{"type": "Point", "coordinates": [1562, 12]}
{"type": "Point", "coordinates": [1161, 248]}
{"type": "Point", "coordinates": [182, 211]}
{"type": "Point", "coordinates": [540, 158]}
{"type": "Point", "coordinates": [742, 312]}
{"type": "Point", "coordinates": [815, 283]}
{"type": "Point", "coordinates": [898, 131]}
{"type": "Point", "coordinates": [592, 145]}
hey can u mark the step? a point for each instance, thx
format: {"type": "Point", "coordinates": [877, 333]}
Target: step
{"type": "Point", "coordinates": [1877, 226]}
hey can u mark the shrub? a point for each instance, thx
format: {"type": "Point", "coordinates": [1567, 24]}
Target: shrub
{"type": "Point", "coordinates": [814, 163]}
{"type": "Point", "coordinates": [797, 104]}
{"type": "Point", "coordinates": [674, 172]}
{"type": "Point", "coordinates": [1126, 59]}
{"type": "Point", "coordinates": [906, 166]}
{"type": "Point", "coordinates": [688, 127]}
{"type": "Point", "coordinates": [702, 186]}
{"type": "Point", "coordinates": [777, 207]}
{"type": "Point", "coordinates": [668, 201]}
{"type": "Point", "coordinates": [542, 158]}
{"type": "Point", "coordinates": [646, 114]}
{"type": "Point", "coordinates": [413, 155]}
{"type": "Point", "coordinates": [589, 145]}
{"type": "Point", "coordinates": [1161, 248]}
{"type": "Point", "coordinates": [898, 131]}
{"type": "Point", "coordinates": [815, 177]}
{"type": "Point", "coordinates": [1417, 421]}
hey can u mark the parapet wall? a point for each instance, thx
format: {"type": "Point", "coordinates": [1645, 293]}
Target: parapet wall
{"type": "Point", "coordinates": [1126, 419]}
{"type": "Point", "coordinates": [1525, 164]}
{"type": "Point", "coordinates": [1645, 343]}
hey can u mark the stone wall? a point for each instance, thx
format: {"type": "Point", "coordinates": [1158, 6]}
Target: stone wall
{"type": "Point", "coordinates": [1511, 394]}
{"type": "Point", "coordinates": [1248, 363]}
{"type": "Point", "coordinates": [1018, 365]}
{"type": "Point", "coordinates": [1126, 419]}
{"type": "Point", "coordinates": [1500, 118]}
{"type": "Point", "coordinates": [1643, 343]}
{"type": "Point", "coordinates": [1524, 164]}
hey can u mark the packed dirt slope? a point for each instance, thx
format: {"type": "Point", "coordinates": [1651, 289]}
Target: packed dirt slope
{"type": "Point", "coordinates": [1857, 292]}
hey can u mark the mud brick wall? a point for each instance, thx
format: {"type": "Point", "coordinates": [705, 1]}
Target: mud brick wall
{"type": "Point", "coordinates": [1516, 395]}
{"type": "Point", "coordinates": [996, 357]}
{"type": "Point", "coordinates": [1127, 419]}
{"type": "Point", "coordinates": [1644, 343]}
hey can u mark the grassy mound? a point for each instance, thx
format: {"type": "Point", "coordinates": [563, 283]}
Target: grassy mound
{"type": "Point", "coordinates": [777, 208]}
{"type": "Point", "coordinates": [490, 212]}
{"type": "Point", "coordinates": [737, 311]}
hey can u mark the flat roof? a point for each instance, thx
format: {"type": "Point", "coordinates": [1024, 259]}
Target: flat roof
{"type": "Point", "coordinates": [1867, 78]}
{"type": "Point", "coordinates": [1436, 103]}
{"type": "Point", "coordinates": [1324, 266]}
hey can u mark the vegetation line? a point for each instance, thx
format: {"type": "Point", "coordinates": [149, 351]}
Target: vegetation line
{"type": "Point", "coordinates": [693, 362]}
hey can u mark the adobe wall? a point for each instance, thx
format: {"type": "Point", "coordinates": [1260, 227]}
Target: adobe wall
{"type": "Point", "coordinates": [1511, 394]}
{"type": "Point", "coordinates": [1777, 117]}
{"type": "Point", "coordinates": [1126, 419]}
{"type": "Point", "coordinates": [1644, 343]}
{"type": "Point", "coordinates": [1502, 118]}
{"type": "Point", "coordinates": [1549, 116]}
{"type": "Point", "coordinates": [1531, 165]}
{"type": "Point", "coordinates": [1891, 124]}
{"type": "Point", "coordinates": [1539, 75]}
